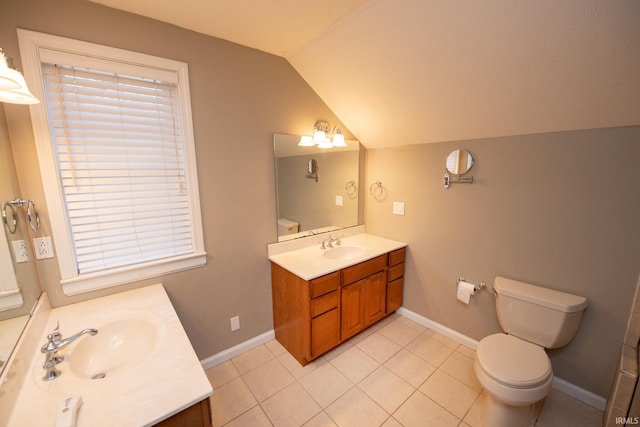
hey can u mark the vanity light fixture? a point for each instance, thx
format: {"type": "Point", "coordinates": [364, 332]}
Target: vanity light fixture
{"type": "Point", "coordinates": [324, 136]}
{"type": "Point", "coordinates": [306, 141]}
{"type": "Point", "coordinates": [13, 88]}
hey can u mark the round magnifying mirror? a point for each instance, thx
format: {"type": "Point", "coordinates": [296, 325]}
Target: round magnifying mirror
{"type": "Point", "coordinates": [459, 162]}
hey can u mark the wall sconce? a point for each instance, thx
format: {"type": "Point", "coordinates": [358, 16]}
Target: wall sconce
{"type": "Point", "coordinates": [13, 88]}
{"type": "Point", "coordinates": [324, 136]}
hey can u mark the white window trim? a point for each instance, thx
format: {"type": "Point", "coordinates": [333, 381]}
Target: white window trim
{"type": "Point", "coordinates": [31, 45]}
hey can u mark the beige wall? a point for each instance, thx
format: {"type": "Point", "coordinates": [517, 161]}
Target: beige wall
{"type": "Point", "coordinates": [239, 97]}
{"type": "Point", "coordinates": [559, 210]}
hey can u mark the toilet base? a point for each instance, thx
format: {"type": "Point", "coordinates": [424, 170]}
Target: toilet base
{"type": "Point", "coordinates": [498, 414]}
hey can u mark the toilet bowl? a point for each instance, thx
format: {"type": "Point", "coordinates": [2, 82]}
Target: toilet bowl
{"type": "Point", "coordinates": [516, 375]}
{"type": "Point", "coordinates": [513, 367]}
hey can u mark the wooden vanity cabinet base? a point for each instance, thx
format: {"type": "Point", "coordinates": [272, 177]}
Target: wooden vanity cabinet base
{"type": "Point", "coordinates": [198, 415]}
{"type": "Point", "coordinates": [312, 317]}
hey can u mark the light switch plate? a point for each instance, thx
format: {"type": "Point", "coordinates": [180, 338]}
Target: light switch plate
{"type": "Point", "coordinates": [235, 323]}
{"type": "Point", "coordinates": [398, 208]}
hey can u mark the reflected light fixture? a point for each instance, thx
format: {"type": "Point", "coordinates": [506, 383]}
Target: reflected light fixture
{"type": "Point", "coordinates": [323, 136]}
{"type": "Point", "coordinates": [13, 87]}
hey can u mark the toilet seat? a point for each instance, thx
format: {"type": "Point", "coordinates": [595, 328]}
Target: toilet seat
{"type": "Point", "coordinates": [513, 362]}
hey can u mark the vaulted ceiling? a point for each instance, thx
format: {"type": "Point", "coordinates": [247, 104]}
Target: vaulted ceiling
{"type": "Point", "coordinates": [402, 72]}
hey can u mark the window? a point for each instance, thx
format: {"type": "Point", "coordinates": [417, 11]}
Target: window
{"type": "Point", "coordinates": [115, 146]}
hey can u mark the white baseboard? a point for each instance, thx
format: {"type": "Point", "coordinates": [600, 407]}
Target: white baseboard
{"type": "Point", "coordinates": [559, 384]}
{"type": "Point", "coordinates": [441, 329]}
{"type": "Point", "coordinates": [581, 394]}
{"type": "Point", "coordinates": [234, 351]}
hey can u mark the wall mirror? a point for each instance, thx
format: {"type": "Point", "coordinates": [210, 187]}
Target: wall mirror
{"type": "Point", "coordinates": [13, 315]}
{"type": "Point", "coordinates": [317, 189]}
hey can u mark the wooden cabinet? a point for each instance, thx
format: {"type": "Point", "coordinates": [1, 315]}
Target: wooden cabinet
{"type": "Point", "coordinates": [312, 317]}
{"type": "Point", "coordinates": [198, 415]}
{"type": "Point", "coordinates": [363, 304]}
{"type": "Point", "coordinates": [306, 314]}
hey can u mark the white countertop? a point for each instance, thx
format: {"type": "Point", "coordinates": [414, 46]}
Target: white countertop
{"type": "Point", "coordinates": [168, 379]}
{"type": "Point", "coordinates": [309, 262]}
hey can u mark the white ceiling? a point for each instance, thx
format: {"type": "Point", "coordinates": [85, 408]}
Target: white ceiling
{"type": "Point", "coordinates": [402, 72]}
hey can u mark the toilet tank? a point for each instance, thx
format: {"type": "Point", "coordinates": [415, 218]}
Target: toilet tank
{"type": "Point", "coordinates": [539, 315]}
{"type": "Point", "coordinates": [287, 226]}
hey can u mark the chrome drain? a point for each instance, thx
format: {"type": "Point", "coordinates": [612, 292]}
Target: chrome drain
{"type": "Point", "coordinates": [98, 376]}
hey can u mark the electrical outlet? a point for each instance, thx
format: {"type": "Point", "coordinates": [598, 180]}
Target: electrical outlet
{"type": "Point", "coordinates": [235, 323]}
{"type": "Point", "coordinates": [20, 251]}
{"type": "Point", "coordinates": [339, 201]}
{"type": "Point", "coordinates": [43, 247]}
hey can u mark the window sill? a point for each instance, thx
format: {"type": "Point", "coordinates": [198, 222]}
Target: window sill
{"type": "Point", "coordinates": [102, 280]}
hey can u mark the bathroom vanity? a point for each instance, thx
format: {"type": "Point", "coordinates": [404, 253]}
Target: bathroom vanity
{"type": "Point", "coordinates": [138, 370]}
{"type": "Point", "coordinates": [322, 297]}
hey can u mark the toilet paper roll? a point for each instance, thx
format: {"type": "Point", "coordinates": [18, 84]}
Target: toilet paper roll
{"type": "Point", "coordinates": [465, 290]}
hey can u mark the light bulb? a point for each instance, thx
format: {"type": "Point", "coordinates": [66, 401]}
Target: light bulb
{"type": "Point", "coordinates": [306, 141]}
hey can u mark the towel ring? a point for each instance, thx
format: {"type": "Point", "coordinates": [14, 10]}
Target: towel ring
{"type": "Point", "coordinates": [13, 217]}
{"type": "Point", "coordinates": [377, 193]}
{"type": "Point", "coordinates": [351, 187]}
{"type": "Point", "coordinates": [32, 215]}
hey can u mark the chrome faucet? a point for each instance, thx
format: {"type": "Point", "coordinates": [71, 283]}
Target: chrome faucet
{"type": "Point", "coordinates": [329, 241]}
{"type": "Point", "coordinates": [54, 344]}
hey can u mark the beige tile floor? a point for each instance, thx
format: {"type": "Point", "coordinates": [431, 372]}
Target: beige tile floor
{"type": "Point", "coordinates": [396, 373]}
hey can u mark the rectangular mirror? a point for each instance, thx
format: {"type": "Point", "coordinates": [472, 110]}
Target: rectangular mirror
{"type": "Point", "coordinates": [317, 189]}
{"type": "Point", "coordinates": [16, 304]}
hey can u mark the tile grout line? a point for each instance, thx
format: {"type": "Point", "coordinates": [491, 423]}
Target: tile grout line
{"type": "Point", "coordinates": [379, 350]}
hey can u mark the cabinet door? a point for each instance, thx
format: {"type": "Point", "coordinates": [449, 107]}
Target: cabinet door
{"type": "Point", "coordinates": [375, 298]}
{"type": "Point", "coordinates": [325, 332]}
{"type": "Point", "coordinates": [352, 309]}
{"type": "Point", "coordinates": [394, 295]}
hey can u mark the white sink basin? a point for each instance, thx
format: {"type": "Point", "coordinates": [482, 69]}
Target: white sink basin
{"type": "Point", "coordinates": [343, 252]}
{"type": "Point", "coordinates": [118, 346]}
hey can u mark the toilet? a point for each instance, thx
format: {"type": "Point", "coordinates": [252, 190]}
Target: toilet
{"type": "Point", "coordinates": [287, 226]}
{"type": "Point", "coordinates": [513, 367]}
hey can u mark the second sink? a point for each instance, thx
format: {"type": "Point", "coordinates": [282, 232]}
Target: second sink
{"type": "Point", "coordinates": [119, 345]}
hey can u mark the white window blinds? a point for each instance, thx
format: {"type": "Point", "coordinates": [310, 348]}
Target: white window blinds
{"type": "Point", "coordinates": [120, 156]}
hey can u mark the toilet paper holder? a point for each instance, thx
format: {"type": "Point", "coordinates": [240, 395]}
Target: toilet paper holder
{"type": "Point", "coordinates": [477, 288]}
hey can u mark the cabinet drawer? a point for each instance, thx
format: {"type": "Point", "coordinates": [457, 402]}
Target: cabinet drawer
{"type": "Point", "coordinates": [364, 269]}
{"type": "Point", "coordinates": [396, 257]}
{"type": "Point", "coordinates": [325, 284]}
{"type": "Point", "coordinates": [324, 303]}
{"type": "Point", "coordinates": [395, 272]}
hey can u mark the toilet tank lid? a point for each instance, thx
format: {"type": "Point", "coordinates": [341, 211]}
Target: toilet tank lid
{"type": "Point", "coordinates": [287, 222]}
{"type": "Point", "coordinates": [546, 297]}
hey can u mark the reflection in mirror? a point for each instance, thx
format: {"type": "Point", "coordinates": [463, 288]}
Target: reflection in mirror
{"type": "Point", "coordinates": [312, 169]}
{"type": "Point", "coordinates": [459, 162]}
{"type": "Point", "coordinates": [10, 295]}
{"type": "Point", "coordinates": [18, 281]}
{"type": "Point", "coordinates": [328, 202]}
